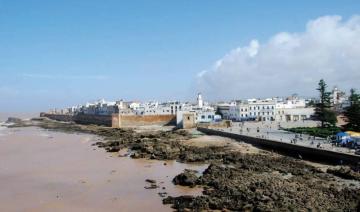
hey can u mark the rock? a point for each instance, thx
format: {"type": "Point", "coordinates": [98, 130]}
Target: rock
{"type": "Point", "coordinates": [244, 186]}
{"type": "Point", "coordinates": [113, 149]}
{"type": "Point", "coordinates": [162, 194]}
{"type": "Point", "coordinates": [345, 172]}
{"type": "Point", "coordinates": [152, 186]}
{"type": "Point", "coordinates": [135, 155]}
{"type": "Point", "coordinates": [187, 178]}
{"type": "Point", "coordinates": [172, 200]}
{"type": "Point", "coordinates": [14, 120]}
{"type": "Point", "coordinates": [150, 181]}
{"type": "Point", "coordinates": [123, 155]}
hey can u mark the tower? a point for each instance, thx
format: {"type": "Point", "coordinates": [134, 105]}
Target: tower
{"type": "Point", "coordinates": [200, 100]}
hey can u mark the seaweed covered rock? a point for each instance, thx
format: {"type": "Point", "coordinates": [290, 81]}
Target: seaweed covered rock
{"type": "Point", "coordinates": [345, 172]}
{"type": "Point", "coordinates": [187, 178]}
{"type": "Point", "coordinates": [241, 188]}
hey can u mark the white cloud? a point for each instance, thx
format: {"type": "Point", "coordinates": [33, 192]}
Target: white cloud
{"type": "Point", "coordinates": [289, 63]}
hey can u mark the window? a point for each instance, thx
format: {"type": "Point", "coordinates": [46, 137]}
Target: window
{"type": "Point", "coordinates": [209, 116]}
{"type": "Point", "coordinates": [203, 117]}
{"type": "Point", "coordinates": [250, 113]}
{"type": "Point", "coordinates": [263, 107]}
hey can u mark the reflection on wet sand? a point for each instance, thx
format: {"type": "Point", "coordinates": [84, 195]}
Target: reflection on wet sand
{"type": "Point", "coordinates": [44, 170]}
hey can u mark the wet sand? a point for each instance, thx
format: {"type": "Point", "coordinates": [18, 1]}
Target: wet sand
{"type": "Point", "coordinates": [51, 171]}
{"type": "Point", "coordinates": [218, 141]}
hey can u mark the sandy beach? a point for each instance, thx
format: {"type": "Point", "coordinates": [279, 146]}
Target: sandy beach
{"type": "Point", "coordinates": [44, 170]}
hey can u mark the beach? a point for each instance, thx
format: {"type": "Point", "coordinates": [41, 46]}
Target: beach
{"type": "Point", "coordinates": [43, 170]}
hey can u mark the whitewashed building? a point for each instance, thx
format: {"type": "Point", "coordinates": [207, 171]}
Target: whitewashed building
{"type": "Point", "coordinates": [293, 109]}
{"type": "Point", "coordinates": [262, 109]}
{"type": "Point", "coordinates": [202, 112]}
{"type": "Point", "coordinates": [271, 109]}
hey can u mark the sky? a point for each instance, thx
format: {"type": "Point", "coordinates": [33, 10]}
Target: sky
{"type": "Point", "coordinates": [62, 53]}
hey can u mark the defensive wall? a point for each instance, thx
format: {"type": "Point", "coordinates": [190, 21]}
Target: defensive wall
{"type": "Point", "coordinates": [93, 119]}
{"type": "Point", "coordinates": [114, 120]}
{"type": "Point", "coordinates": [81, 118]}
{"type": "Point", "coordinates": [58, 117]}
{"type": "Point", "coordinates": [119, 120]}
{"type": "Point", "coordinates": [308, 153]}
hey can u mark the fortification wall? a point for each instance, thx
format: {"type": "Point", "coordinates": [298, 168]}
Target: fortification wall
{"type": "Point", "coordinates": [135, 120]}
{"type": "Point", "coordinates": [114, 120]}
{"type": "Point", "coordinates": [58, 117]}
{"type": "Point", "coordinates": [93, 119]}
{"type": "Point", "coordinates": [80, 118]}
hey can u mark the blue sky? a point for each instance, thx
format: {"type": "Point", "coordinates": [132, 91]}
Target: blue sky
{"type": "Point", "coordinates": [59, 53]}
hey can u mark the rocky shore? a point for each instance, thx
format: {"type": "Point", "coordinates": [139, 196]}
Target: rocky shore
{"type": "Point", "coordinates": [235, 180]}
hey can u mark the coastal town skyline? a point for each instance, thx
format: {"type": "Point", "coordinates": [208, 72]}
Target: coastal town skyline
{"type": "Point", "coordinates": [132, 52]}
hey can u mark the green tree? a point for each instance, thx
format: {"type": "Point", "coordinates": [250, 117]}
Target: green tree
{"type": "Point", "coordinates": [323, 112]}
{"type": "Point", "coordinates": [352, 112]}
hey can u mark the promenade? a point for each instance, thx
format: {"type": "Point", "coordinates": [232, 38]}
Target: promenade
{"type": "Point", "coordinates": [273, 131]}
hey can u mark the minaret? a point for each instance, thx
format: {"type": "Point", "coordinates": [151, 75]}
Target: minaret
{"type": "Point", "coordinates": [335, 95]}
{"type": "Point", "coordinates": [200, 100]}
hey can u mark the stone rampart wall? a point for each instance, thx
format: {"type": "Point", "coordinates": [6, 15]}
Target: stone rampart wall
{"type": "Point", "coordinates": [81, 118]}
{"type": "Point", "coordinates": [135, 120]}
{"type": "Point", "coordinates": [114, 120]}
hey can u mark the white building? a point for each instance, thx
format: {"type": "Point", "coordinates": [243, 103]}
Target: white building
{"type": "Point", "coordinates": [224, 109]}
{"type": "Point", "coordinates": [293, 109]}
{"type": "Point", "coordinates": [338, 96]}
{"type": "Point", "coordinates": [202, 111]}
{"type": "Point", "coordinates": [156, 108]}
{"type": "Point", "coordinates": [239, 111]}
{"type": "Point", "coordinates": [294, 114]}
{"type": "Point", "coordinates": [271, 109]}
{"type": "Point", "coordinates": [262, 109]}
